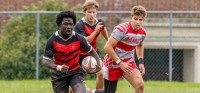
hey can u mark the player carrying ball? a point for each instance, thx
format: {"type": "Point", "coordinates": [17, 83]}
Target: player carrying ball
{"type": "Point", "coordinates": [64, 45]}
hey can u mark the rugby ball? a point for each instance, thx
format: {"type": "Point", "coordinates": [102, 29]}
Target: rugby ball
{"type": "Point", "coordinates": [89, 64]}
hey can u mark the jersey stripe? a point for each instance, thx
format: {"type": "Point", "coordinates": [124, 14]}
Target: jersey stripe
{"type": "Point", "coordinates": [73, 65]}
{"type": "Point", "coordinates": [125, 46]}
{"type": "Point", "coordinates": [66, 51]}
{"type": "Point", "coordinates": [64, 58]}
{"type": "Point", "coordinates": [66, 48]}
{"type": "Point", "coordinates": [128, 39]}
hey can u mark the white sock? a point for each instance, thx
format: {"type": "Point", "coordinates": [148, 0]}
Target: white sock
{"type": "Point", "coordinates": [93, 91]}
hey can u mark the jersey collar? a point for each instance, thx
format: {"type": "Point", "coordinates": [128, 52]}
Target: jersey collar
{"type": "Point", "coordinates": [83, 19]}
{"type": "Point", "coordinates": [73, 33]}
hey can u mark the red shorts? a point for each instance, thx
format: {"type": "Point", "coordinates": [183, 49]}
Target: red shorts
{"type": "Point", "coordinates": [115, 73]}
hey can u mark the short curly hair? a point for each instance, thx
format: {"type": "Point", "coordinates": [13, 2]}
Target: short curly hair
{"type": "Point", "coordinates": [65, 14]}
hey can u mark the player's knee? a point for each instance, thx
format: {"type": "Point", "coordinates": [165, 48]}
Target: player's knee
{"type": "Point", "coordinates": [140, 85]}
{"type": "Point", "coordinates": [80, 91]}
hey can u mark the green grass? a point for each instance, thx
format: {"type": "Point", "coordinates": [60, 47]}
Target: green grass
{"type": "Point", "coordinates": [44, 86]}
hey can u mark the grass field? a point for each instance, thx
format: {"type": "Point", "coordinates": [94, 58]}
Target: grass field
{"type": "Point", "coordinates": [44, 86]}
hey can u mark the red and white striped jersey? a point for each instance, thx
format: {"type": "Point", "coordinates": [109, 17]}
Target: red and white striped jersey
{"type": "Point", "coordinates": [127, 39]}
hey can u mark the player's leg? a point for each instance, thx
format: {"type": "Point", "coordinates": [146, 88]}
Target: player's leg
{"type": "Point", "coordinates": [99, 78]}
{"type": "Point", "coordinates": [62, 90]}
{"type": "Point", "coordinates": [111, 76]}
{"type": "Point", "coordinates": [110, 86]}
{"type": "Point", "coordinates": [59, 84]}
{"type": "Point", "coordinates": [97, 91]}
{"type": "Point", "coordinates": [136, 80]}
{"type": "Point", "coordinates": [77, 84]}
{"type": "Point", "coordinates": [80, 62]}
{"type": "Point", "coordinates": [87, 90]}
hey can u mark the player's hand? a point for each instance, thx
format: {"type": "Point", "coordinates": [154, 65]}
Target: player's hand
{"type": "Point", "coordinates": [99, 26]}
{"type": "Point", "coordinates": [142, 69]}
{"type": "Point", "coordinates": [64, 68]}
{"type": "Point", "coordinates": [126, 68]}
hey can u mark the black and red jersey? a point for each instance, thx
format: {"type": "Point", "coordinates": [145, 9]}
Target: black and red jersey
{"type": "Point", "coordinates": [66, 51]}
{"type": "Point", "coordinates": [85, 29]}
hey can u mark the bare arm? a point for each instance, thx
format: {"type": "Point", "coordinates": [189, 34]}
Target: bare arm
{"type": "Point", "coordinates": [140, 50]}
{"type": "Point", "coordinates": [110, 51]}
{"type": "Point", "coordinates": [48, 63]}
{"type": "Point", "coordinates": [96, 31]}
{"type": "Point", "coordinates": [105, 33]}
{"type": "Point", "coordinates": [96, 56]}
{"type": "Point", "coordinates": [140, 55]}
{"type": "Point", "coordinates": [109, 48]}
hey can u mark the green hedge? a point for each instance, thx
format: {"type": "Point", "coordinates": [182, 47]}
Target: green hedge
{"type": "Point", "coordinates": [18, 45]}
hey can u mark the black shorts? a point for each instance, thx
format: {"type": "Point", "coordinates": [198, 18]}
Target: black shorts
{"type": "Point", "coordinates": [61, 80]}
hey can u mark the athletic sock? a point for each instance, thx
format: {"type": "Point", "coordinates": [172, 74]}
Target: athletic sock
{"type": "Point", "coordinates": [97, 91]}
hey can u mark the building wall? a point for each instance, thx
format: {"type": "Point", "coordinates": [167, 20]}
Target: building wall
{"type": "Point", "coordinates": [184, 38]}
{"type": "Point", "coordinates": [188, 66]}
{"type": "Point", "coordinates": [113, 5]}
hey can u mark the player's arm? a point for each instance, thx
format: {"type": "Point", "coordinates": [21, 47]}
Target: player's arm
{"type": "Point", "coordinates": [140, 55]}
{"type": "Point", "coordinates": [140, 50]}
{"type": "Point", "coordinates": [110, 44]}
{"type": "Point", "coordinates": [95, 33]}
{"type": "Point", "coordinates": [105, 33]}
{"type": "Point", "coordinates": [46, 61]}
{"type": "Point", "coordinates": [116, 36]}
{"type": "Point", "coordinates": [88, 48]}
{"type": "Point", "coordinates": [96, 56]}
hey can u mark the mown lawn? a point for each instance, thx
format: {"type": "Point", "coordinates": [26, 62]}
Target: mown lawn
{"type": "Point", "coordinates": [44, 86]}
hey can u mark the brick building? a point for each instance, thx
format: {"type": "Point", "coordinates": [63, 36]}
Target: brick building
{"type": "Point", "coordinates": [113, 5]}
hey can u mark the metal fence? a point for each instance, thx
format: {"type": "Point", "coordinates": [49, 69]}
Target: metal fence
{"type": "Point", "coordinates": [163, 59]}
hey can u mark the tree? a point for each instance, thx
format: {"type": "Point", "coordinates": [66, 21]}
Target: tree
{"type": "Point", "coordinates": [17, 46]}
